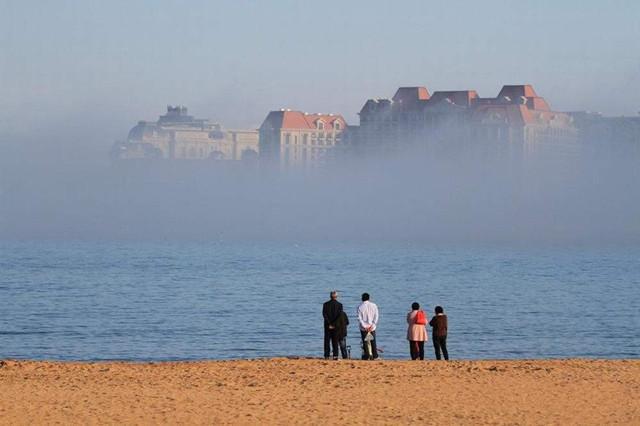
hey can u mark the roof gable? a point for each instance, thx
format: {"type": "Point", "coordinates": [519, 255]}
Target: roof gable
{"type": "Point", "coordinates": [286, 119]}
{"type": "Point", "coordinates": [457, 97]}
{"type": "Point", "coordinates": [410, 95]}
{"type": "Point", "coordinates": [515, 91]}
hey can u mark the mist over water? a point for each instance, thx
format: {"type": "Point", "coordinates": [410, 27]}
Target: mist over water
{"type": "Point", "coordinates": [490, 236]}
{"type": "Point", "coordinates": [64, 187]}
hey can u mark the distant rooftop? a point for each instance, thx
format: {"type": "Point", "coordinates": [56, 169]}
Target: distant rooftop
{"type": "Point", "coordinates": [176, 114]}
{"type": "Point", "coordinates": [287, 119]}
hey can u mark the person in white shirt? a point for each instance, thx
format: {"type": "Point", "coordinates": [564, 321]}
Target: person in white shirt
{"type": "Point", "coordinates": [368, 320]}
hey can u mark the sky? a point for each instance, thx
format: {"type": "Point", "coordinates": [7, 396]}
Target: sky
{"type": "Point", "coordinates": [75, 76]}
{"type": "Point", "coordinates": [109, 64]}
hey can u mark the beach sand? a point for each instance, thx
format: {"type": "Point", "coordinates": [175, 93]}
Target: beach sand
{"type": "Point", "coordinates": [297, 391]}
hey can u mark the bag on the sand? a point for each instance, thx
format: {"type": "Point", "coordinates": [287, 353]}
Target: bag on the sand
{"type": "Point", "coordinates": [421, 318]}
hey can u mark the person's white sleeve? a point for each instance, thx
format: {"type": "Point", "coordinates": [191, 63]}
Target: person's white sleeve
{"type": "Point", "coordinates": [359, 314]}
{"type": "Point", "coordinates": [375, 317]}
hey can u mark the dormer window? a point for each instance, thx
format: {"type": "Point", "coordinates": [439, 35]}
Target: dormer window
{"type": "Point", "coordinates": [336, 125]}
{"type": "Point", "coordinates": [320, 124]}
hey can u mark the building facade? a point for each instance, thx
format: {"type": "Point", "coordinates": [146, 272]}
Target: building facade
{"type": "Point", "coordinates": [517, 120]}
{"type": "Point", "coordinates": [178, 136]}
{"type": "Point", "coordinates": [295, 139]}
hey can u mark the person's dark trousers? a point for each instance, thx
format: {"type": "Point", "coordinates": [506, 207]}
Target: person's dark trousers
{"type": "Point", "coordinates": [343, 348]}
{"type": "Point", "coordinates": [440, 343]}
{"type": "Point", "coordinates": [374, 349]}
{"type": "Point", "coordinates": [416, 349]}
{"type": "Point", "coordinates": [330, 336]}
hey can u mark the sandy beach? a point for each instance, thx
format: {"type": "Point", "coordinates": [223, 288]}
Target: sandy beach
{"type": "Point", "coordinates": [296, 391]}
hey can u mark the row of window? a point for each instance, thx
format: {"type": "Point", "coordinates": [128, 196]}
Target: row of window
{"type": "Point", "coordinates": [336, 125]}
{"type": "Point", "coordinates": [320, 139]}
{"type": "Point", "coordinates": [295, 155]}
{"type": "Point", "coordinates": [199, 153]}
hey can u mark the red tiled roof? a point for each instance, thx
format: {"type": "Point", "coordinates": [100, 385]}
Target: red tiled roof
{"type": "Point", "coordinates": [515, 91]}
{"type": "Point", "coordinates": [525, 92]}
{"type": "Point", "coordinates": [538, 104]}
{"type": "Point", "coordinates": [407, 95]}
{"type": "Point", "coordinates": [516, 114]}
{"type": "Point", "coordinates": [299, 120]}
{"type": "Point", "coordinates": [510, 114]}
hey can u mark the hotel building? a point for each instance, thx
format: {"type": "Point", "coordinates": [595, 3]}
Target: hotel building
{"type": "Point", "coordinates": [295, 139]}
{"type": "Point", "coordinates": [178, 136]}
{"type": "Point", "coordinates": [517, 119]}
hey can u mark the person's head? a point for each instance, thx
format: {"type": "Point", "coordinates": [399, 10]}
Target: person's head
{"type": "Point", "coordinates": [333, 295]}
{"type": "Point", "coordinates": [415, 306]}
{"type": "Point", "coordinates": [439, 310]}
{"type": "Point", "coordinates": [365, 297]}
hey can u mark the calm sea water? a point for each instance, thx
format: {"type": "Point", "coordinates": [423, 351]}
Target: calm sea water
{"type": "Point", "coordinates": [160, 301]}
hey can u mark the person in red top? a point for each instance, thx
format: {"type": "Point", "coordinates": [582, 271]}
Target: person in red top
{"type": "Point", "coordinates": [439, 325]}
{"type": "Point", "coordinates": [416, 331]}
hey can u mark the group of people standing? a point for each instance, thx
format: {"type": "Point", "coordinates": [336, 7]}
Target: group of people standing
{"type": "Point", "coordinates": [336, 323]}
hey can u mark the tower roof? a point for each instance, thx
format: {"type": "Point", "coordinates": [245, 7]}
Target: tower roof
{"type": "Point", "coordinates": [411, 95]}
{"type": "Point", "coordinates": [515, 91]}
{"type": "Point", "coordinates": [457, 97]}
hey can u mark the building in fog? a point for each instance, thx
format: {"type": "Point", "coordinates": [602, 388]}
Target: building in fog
{"type": "Point", "coordinates": [517, 120]}
{"type": "Point", "coordinates": [612, 133]}
{"type": "Point", "coordinates": [178, 136]}
{"type": "Point", "coordinates": [522, 120]}
{"type": "Point", "coordinates": [295, 139]}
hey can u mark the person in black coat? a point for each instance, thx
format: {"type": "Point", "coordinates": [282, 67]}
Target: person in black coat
{"type": "Point", "coordinates": [341, 333]}
{"type": "Point", "coordinates": [331, 311]}
{"type": "Point", "coordinates": [440, 326]}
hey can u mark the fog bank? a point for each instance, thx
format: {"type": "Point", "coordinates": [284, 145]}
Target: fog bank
{"type": "Point", "coordinates": [65, 188]}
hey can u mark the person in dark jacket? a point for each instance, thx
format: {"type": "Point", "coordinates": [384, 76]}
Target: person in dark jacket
{"type": "Point", "coordinates": [439, 325]}
{"type": "Point", "coordinates": [341, 333]}
{"type": "Point", "coordinates": [331, 311]}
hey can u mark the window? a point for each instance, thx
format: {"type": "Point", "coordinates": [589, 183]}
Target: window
{"type": "Point", "coordinates": [320, 124]}
{"type": "Point", "coordinates": [287, 138]}
{"type": "Point", "coordinates": [336, 125]}
{"type": "Point", "coordinates": [305, 139]}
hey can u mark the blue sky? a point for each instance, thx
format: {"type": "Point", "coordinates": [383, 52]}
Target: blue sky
{"type": "Point", "coordinates": [232, 61]}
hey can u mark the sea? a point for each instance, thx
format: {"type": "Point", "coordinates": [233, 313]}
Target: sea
{"type": "Point", "coordinates": [153, 301]}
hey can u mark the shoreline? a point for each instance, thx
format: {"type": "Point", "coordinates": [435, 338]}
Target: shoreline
{"type": "Point", "coordinates": [292, 358]}
{"type": "Point", "coordinates": [312, 391]}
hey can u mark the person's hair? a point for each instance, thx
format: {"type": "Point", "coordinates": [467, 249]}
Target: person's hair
{"type": "Point", "coordinates": [333, 294]}
{"type": "Point", "coordinates": [415, 306]}
{"type": "Point", "coordinates": [365, 297]}
{"type": "Point", "coordinates": [439, 310]}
